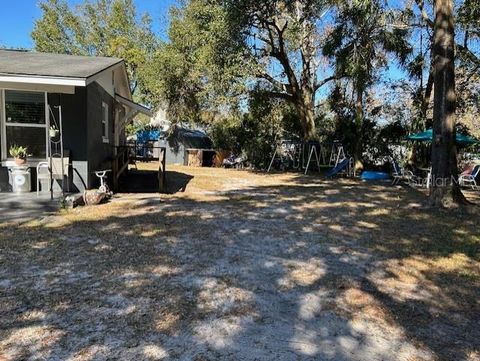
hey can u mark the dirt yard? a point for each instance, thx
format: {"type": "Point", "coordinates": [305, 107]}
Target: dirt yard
{"type": "Point", "coordinates": [244, 266]}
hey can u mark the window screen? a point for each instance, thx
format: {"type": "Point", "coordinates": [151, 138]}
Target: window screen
{"type": "Point", "coordinates": [25, 122]}
{"type": "Point", "coordinates": [24, 107]}
{"type": "Point", "coordinates": [32, 138]}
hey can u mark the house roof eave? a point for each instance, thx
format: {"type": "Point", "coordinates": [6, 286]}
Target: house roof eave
{"type": "Point", "coordinates": [132, 105]}
{"type": "Point", "coordinates": [44, 80]}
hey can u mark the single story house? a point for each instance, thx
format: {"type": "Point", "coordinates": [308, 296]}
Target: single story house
{"type": "Point", "coordinates": [94, 98]}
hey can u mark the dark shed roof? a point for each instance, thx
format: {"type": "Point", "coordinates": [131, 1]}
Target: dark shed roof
{"type": "Point", "coordinates": [189, 138]}
{"type": "Point", "coordinates": [14, 62]}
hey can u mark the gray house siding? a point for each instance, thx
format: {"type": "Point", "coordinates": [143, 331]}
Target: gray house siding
{"type": "Point", "coordinates": [100, 154]}
{"type": "Point", "coordinates": [180, 140]}
{"type": "Point", "coordinates": [74, 122]}
{"type": "Point", "coordinates": [74, 117]}
{"type": "Point", "coordinates": [174, 155]}
{"type": "Point", "coordinates": [82, 136]}
{"type": "Point", "coordinates": [79, 84]}
{"type": "Point", "coordinates": [4, 180]}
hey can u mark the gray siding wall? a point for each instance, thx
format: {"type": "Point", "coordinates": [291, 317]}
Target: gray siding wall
{"type": "Point", "coordinates": [4, 180]}
{"type": "Point", "coordinates": [174, 156]}
{"type": "Point", "coordinates": [74, 120]}
{"type": "Point", "coordinates": [74, 115]}
{"type": "Point", "coordinates": [82, 135]}
{"type": "Point", "coordinates": [100, 154]}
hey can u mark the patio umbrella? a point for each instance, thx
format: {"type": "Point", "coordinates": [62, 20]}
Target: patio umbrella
{"type": "Point", "coordinates": [427, 136]}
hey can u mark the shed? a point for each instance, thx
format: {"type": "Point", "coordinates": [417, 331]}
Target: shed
{"type": "Point", "coordinates": [187, 146]}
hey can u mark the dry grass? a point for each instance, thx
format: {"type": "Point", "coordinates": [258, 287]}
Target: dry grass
{"type": "Point", "coordinates": [244, 266]}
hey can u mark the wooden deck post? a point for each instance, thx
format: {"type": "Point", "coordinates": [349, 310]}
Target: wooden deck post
{"type": "Point", "coordinates": [162, 171]}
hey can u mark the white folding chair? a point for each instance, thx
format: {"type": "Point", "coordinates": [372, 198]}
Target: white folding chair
{"type": "Point", "coordinates": [470, 179]}
{"type": "Point", "coordinates": [44, 170]}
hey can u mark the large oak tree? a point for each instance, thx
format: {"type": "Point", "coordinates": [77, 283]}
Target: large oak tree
{"type": "Point", "coordinates": [271, 46]}
{"type": "Point", "coordinates": [283, 39]}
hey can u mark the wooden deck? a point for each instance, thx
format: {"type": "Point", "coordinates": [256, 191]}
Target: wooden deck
{"type": "Point", "coordinates": [128, 156]}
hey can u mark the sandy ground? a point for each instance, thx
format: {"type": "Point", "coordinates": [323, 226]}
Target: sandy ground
{"type": "Point", "coordinates": [244, 266]}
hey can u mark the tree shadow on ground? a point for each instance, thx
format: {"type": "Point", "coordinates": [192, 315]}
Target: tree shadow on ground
{"type": "Point", "coordinates": [337, 270]}
{"type": "Point", "coordinates": [139, 181]}
{"type": "Point", "coordinates": [146, 181]}
{"type": "Point", "coordinates": [177, 181]}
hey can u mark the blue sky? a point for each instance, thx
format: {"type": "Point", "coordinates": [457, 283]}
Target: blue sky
{"type": "Point", "coordinates": [17, 18]}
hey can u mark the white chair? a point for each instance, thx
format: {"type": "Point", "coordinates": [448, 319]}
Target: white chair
{"type": "Point", "coordinates": [44, 171]}
{"type": "Point", "coordinates": [400, 174]}
{"type": "Point", "coordinates": [470, 179]}
{"type": "Point", "coordinates": [397, 174]}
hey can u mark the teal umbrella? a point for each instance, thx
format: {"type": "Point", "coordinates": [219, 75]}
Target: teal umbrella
{"type": "Point", "coordinates": [427, 136]}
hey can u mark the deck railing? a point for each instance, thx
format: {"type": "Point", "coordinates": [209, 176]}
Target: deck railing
{"type": "Point", "coordinates": [132, 153]}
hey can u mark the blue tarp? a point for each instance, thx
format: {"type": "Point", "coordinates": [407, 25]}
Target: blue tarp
{"type": "Point", "coordinates": [145, 136]}
{"type": "Point", "coordinates": [372, 175]}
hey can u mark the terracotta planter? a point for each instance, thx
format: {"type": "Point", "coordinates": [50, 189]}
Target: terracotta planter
{"type": "Point", "coordinates": [20, 161]}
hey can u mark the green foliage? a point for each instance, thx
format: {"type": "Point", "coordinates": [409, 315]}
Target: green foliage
{"type": "Point", "coordinates": [220, 51]}
{"type": "Point", "coordinates": [197, 70]}
{"type": "Point", "coordinates": [360, 41]}
{"type": "Point", "coordinates": [248, 69]}
{"type": "Point", "coordinates": [360, 44]}
{"type": "Point", "coordinates": [255, 134]}
{"type": "Point", "coordinates": [18, 151]}
{"type": "Point", "coordinates": [100, 28]}
{"type": "Point", "coordinates": [141, 122]}
{"type": "Point", "coordinates": [54, 32]}
{"type": "Point", "coordinates": [469, 16]}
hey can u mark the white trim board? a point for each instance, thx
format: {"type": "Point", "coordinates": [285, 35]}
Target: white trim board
{"type": "Point", "coordinates": [46, 80]}
{"type": "Point", "coordinates": [98, 75]}
{"type": "Point", "coordinates": [49, 88]}
{"type": "Point", "coordinates": [66, 85]}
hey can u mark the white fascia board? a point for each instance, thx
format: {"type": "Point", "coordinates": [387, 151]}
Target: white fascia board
{"type": "Point", "coordinates": [49, 88]}
{"type": "Point", "coordinates": [30, 79]}
{"type": "Point", "coordinates": [98, 75]}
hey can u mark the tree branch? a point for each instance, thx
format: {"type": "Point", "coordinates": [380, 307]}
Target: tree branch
{"type": "Point", "coordinates": [281, 55]}
{"type": "Point", "coordinates": [280, 95]}
{"type": "Point", "coordinates": [275, 83]}
{"type": "Point", "coordinates": [318, 85]}
{"type": "Point", "coordinates": [428, 21]}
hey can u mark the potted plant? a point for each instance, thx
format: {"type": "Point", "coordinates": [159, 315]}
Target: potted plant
{"type": "Point", "coordinates": [19, 154]}
{"type": "Point", "coordinates": [53, 132]}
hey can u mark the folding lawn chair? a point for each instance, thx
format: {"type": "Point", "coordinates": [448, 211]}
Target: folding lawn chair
{"type": "Point", "coordinates": [469, 179]}
{"type": "Point", "coordinates": [399, 175]}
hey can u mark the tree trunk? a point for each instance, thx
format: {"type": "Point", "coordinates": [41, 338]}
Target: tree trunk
{"type": "Point", "coordinates": [305, 106]}
{"type": "Point", "coordinates": [358, 144]}
{"type": "Point", "coordinates": [445, 190]}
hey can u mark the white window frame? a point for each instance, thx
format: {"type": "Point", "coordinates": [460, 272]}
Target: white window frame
{"type": "Point", "coordinates": [4, 124]}
{"type": "Point", "coordinates": [105, 120]}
